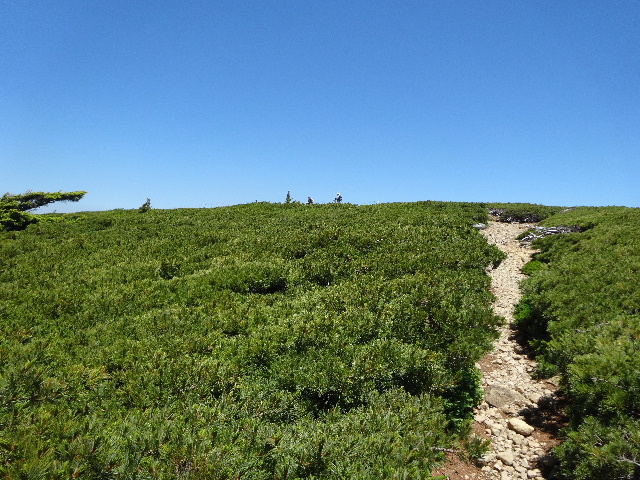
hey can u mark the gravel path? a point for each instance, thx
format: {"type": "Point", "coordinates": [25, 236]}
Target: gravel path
{"type": "Point", "coordinates": [519, 414]}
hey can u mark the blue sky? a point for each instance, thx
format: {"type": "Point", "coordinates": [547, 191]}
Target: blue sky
{"type": "Point", "coordinates": [212, 103]}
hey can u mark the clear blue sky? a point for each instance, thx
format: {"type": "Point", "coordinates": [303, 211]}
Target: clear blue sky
{"type": "Point", "coordinates": [222, 102]}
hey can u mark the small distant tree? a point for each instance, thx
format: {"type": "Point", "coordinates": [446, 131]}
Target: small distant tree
{"type": "Point", "coordinates": [146, 206]}
{"type": "Point", "coordinates": [14, 209]}
{"type": "Point", "coordinates": [288, 199]}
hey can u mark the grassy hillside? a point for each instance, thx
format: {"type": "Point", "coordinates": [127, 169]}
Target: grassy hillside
{"type": "Point", "coordinates": [260, 341]}
{"type": "Point", "coordinates": [521, 212]}
{"type": "Point", "coordinates": [581, 310]}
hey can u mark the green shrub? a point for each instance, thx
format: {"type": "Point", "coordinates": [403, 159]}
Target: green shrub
{"type": "Point", "coordinates": [145, 207]}
{"type": "Point", "coordinates": [581, 311]}
{"type": "Point", "coordinates": [602, 450]}
{"type": "Point", "coordinates": [521, 212]}
{"type": "Point", "coordinates": [255, 341]}
{"type": "Point", "coordinates": [169, 269]}
{"type": "Point", "coordinates": [533, 266]}
{"type": "Point", "coordinates": [14, 209]}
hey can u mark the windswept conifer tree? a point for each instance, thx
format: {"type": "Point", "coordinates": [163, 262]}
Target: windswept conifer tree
{"type": "Point", "coordinates": [14, 208]}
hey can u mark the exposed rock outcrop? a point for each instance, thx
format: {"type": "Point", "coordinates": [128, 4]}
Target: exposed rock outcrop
{"type": "Point", "coordinates": [541, 232]}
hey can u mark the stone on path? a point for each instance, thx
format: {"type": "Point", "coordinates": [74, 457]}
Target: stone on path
{"type": "Point", "coordinates": [520, 426]}
{"type": "Point", "coordinates": [500, 397]}
{"type": "Point", "coordinates": [505, 457]}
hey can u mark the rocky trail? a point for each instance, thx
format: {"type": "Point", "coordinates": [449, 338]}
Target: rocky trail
{"type": "Point", "coordinates": [519, 414]}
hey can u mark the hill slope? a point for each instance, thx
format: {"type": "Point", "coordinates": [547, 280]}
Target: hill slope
{"type": "Point", "coordinates": [581, 310]}
{"type": "Point", "coordinates": [256, 341]}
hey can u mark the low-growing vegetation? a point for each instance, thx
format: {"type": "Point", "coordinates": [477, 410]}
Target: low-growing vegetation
{"type": "Point", "coordinates": [261, 341]}
{"type": "Point", "coordinates": [521, 212]}
{"type": "Point", "coordinates": [15, 210]}
{"type": "Point", "coordinates": [581, 311]}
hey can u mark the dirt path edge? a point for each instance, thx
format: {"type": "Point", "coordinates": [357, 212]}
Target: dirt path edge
{"type": "Point", "coordinates": [519, 414]}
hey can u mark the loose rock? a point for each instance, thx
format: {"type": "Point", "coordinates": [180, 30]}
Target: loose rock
{"type": "Point", "coordinates": [501, 396]}
{"type": "Point", "coordinates": [520, 426]}
{"type": "Point", "coordinates": [508, 385]}
{"type": "Point", "coordinates": [505, 457]}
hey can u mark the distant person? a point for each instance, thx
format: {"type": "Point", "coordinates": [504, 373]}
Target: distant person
{"type": "Point", "coordinates": [309, 201]}
{"type": "Point", "coordinates": [338, 198]}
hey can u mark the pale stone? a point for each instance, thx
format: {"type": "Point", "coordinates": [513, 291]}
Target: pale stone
{"type": "Point", "coordinates": [516, 437]}
{"type": "Point", "coordinates": [497, 414]}
{"type": "Point", "coordinates": [520, 426]}
{"type": "Point", "coordinates": [487, 458]}
{"type": "Point", "coordinates": [505, 457]}
{"type": "Point", "coordinates": [510, 410]}
{"type": "Point", "coordinates": [499, 396]}
{"type": "Point", "coordinates": [534, 397]}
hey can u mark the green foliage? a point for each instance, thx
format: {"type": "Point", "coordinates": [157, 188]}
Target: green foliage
{"type": "Point", "coordinates": [13, 219]}
{"type": "Point", "coordinates": [581, 310]}
{"type": "Point", "coordinates": [521, 212]}
{"type": "Point", "coordinates": [463, 395]}
{"type": "Point", "coordinates": [145, 207]}
{"type": "Point", "coordinates": [532, 267]}
{"type": "Point", "coordinates": [32, 200]}
{"type": "Point", "coordinates": [14, 208]}
{"type": "Point", "coordinates": [256, 341]}
{"type": "Point", "coordinates": [602, 450]}
{"type": "Point", "coordinates": [476, 447]}
{"type": "Point", "coordinates": [169, 269]}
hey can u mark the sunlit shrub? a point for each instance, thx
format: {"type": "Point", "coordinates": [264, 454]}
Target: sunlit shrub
{"type": "Point", "coordinates": [581, 313]}
{"type": "Point", "coordinates": [255, 341]}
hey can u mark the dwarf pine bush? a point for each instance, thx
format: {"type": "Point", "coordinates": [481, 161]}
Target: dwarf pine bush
{"type": "Point", "coordinates": [257, 341]}
{"type": "Point", "coordinates": [582, 313]}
